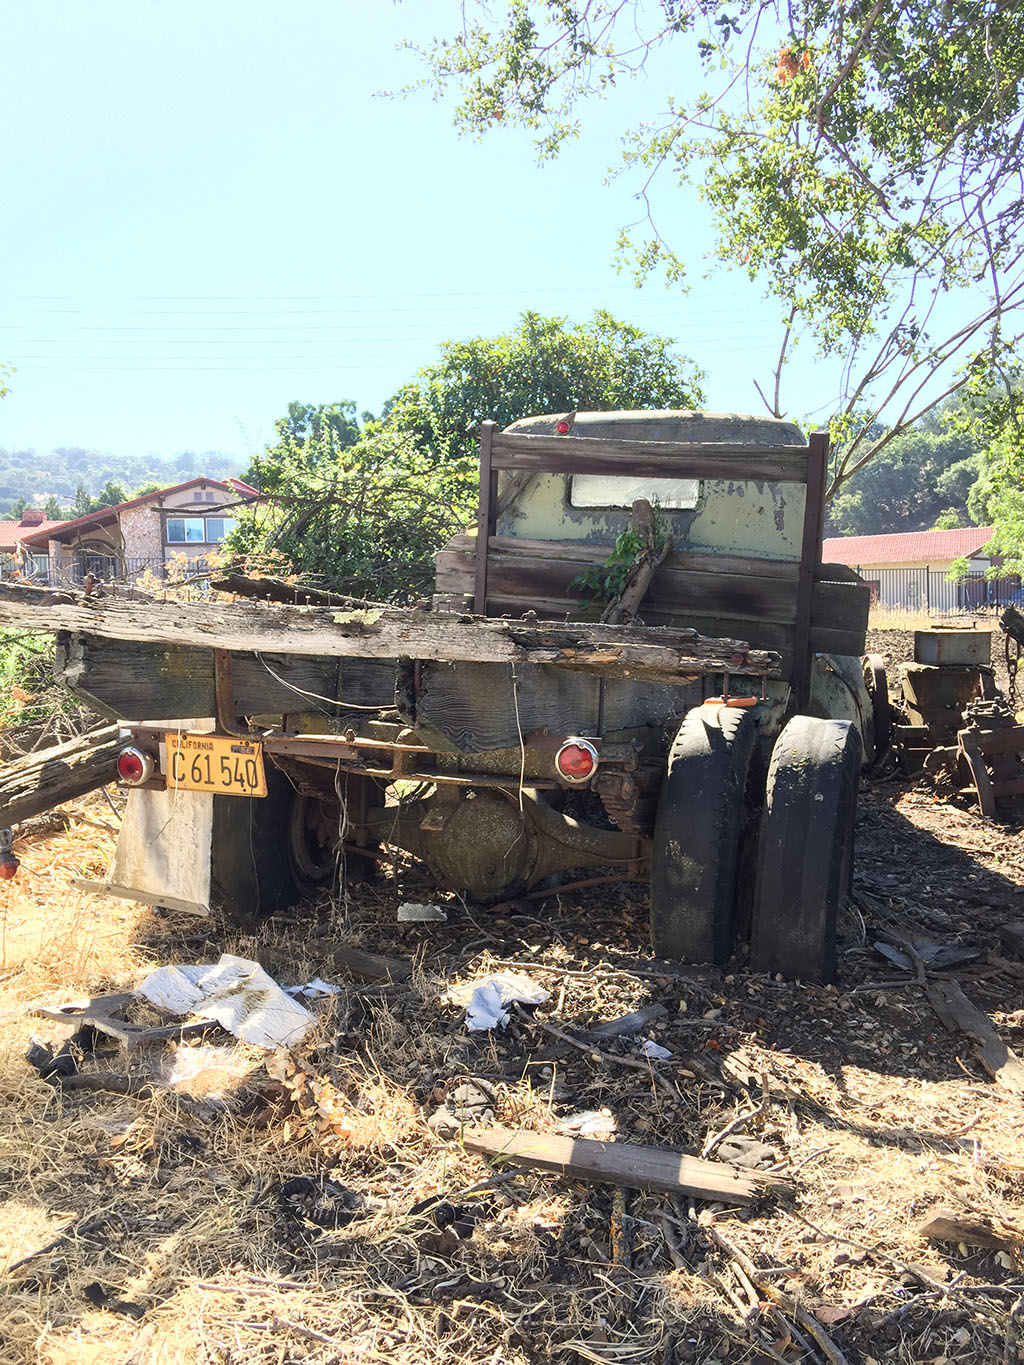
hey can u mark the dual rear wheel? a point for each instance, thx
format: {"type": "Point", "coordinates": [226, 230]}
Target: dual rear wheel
{"type": "Point", "coordinates": [720, 870]}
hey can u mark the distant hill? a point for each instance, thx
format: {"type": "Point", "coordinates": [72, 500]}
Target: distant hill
{"type": "Point", "coordinates": [38, 475]}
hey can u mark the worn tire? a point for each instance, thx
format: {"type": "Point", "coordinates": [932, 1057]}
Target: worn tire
{"type": "Point", "coordinates": [881, 712]}
{"type": "Point", "coordinates": [697, 834]}
{"type": "Point", "coordinates": [250, 871]}
{"type": "Point", "coordinates": [805, 848]}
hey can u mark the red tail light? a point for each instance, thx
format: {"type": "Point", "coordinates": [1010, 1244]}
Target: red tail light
{"type": "Point", "coordinates": [563, 428]}
{"type": "Point", "coordinates": [8, 862]}
{"type": "Point", "coordinates": [576, 761]}
{"type": "Point", "coordinates": [134, 767]}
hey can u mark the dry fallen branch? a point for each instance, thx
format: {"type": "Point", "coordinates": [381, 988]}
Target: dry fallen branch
{"type": "Point", "coordinates": [810, 1325]}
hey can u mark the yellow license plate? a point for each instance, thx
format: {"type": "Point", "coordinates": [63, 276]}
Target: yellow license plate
{"type": "Point", "coordinates": [215, 763]}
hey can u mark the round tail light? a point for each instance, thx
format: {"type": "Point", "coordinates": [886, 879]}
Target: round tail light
{"type": "Point", "coordinates": [563, 428]}
{"type": "Point", "coordinates": [576, 761]}
{"type": "Point", "coordinates": [134, 767]}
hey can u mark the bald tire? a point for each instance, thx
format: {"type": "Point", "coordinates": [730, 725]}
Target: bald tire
{"type": "Point", "coordinates": [805, 848]}
{"type": "Point", "coordinates": [696, 858]}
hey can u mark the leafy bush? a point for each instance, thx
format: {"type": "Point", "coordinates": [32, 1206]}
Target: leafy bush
{"type": "Point", "coordinates": [365, 509]}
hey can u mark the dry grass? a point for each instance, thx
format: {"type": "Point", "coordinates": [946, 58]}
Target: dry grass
{"type": "Point", "coordinates": [187, 1206]}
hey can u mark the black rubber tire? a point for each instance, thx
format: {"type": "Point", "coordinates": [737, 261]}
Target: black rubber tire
{"type": "Point", "coordinates": [313, 867]}
{"type": "Point", "coordinates": [250, 871]}
{"type": "Point", "coordinates": [881, 712]}
{"type": "Point", "coordinates": [697, 834]}
{"type": "Point", "coordinates": [805, 848]}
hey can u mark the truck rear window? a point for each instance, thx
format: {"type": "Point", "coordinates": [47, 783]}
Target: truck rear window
{"type": "Point", "coordinates": [608, 490]}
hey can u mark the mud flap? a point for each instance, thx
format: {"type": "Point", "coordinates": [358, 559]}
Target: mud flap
{"type": "Point", "coordinates": [163, 850]}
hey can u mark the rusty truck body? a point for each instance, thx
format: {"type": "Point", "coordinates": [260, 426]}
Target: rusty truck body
{"type": "Point", "coordinates": [504, 734]}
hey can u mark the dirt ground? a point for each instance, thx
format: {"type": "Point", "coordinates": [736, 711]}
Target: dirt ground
{"type": "Point", "coordinates": [260, 1215]}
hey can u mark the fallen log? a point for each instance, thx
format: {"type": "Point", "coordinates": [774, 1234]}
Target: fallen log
{"type": "Point", "coordinates": [45, 779]}
{"type": "Point", "coordinates": [624, 1163]}
{"type": "Point", "coordinates": [655, 654]}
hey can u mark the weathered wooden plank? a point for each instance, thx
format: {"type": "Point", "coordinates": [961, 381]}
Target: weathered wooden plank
{"type": "Point", "coordinates": [972, 1227]}
{"type": "Point", "coordinates": [810, 557]}
{"type": "Point", "coordinates": [138, 680]}
{"type": "Point", "coordinates": [681, 584]}
{"type": "Point", "coordinates": [50, 776]}
{"type": "Point", "coordinates": [649, 459]}
{"type": "Point", "coordinates": [459, 551]}
{"type": "Point", "coordinates": [478, 708]}
{"type": "Point", "coordinates": [623, 1163]}
{"type": "Point", "coordinates": [958, 1012]}
{"type": "Point", "coordinates": [731, 594]}
{"type": "Point", "coordinates": [486, 512]}
{"type": "Point", "coordinates": [133, 680]}
{"type": "Point", "coordinates": [383, 634]}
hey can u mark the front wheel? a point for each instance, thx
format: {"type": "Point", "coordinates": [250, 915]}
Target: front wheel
{"type": "Point", "coordinates": [805, 848]}
{"type": "Point", "coordinates": [699, 833]}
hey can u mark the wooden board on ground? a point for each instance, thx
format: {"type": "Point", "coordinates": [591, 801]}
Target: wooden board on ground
{"type": "Point", "coordinates": [957, 1012]}
{"type": "Point", "coordinates": [624, 1163]}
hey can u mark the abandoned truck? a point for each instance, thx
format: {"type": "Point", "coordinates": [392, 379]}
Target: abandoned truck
{"type": "Point", "coordinates": [505, 734]}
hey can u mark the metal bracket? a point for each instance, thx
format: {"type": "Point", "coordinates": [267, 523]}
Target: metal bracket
{"type": "Point", "coordinates": [224, 691]}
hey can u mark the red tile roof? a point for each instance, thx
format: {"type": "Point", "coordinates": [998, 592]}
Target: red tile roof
{"type": "Point", "coordinates": [904, 547]}
{"type": "Point", "coordinates": [13, 532]}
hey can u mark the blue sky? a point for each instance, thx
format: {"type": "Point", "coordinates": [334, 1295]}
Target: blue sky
{"type": "Point", "coordinates": [208, 214]}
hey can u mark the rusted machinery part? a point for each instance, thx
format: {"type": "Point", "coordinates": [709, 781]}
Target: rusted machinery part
{"type": "Point", "coordinates": [696, 861]}
{"type": "Point", "coordinates": [881, 712]}
{"type": "Point", "coordinates": [495, 842]}
{"type": "Point", "coordinates": [805, 848]}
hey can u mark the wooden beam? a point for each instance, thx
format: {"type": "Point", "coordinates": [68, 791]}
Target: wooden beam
{"type": "Point", "coordinates": [485, 516]}
{"type": "Point", "coordinates": [51, 776]}
{"type": "Point", "coordinates": [649, 459]}
{"type": "Point", "coordinates": [810, 558]}
{"type": "Point", "coordinates": [623, 1163]}
{"type": "Point", "coordinates": [664, 655]}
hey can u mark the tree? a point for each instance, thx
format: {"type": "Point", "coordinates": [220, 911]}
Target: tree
{"type": "Point", "coordinates": [860, 162]}
{"type": "Point", "coordinates": [924, 476]}
{"type": "Point", "coordinates": [544, 365]}
{"type": "Point", "coordinates": [367, 514]}
{"type": "Point", "coordinates": [109, 495]}
{"type": "Point", "coordinates": [53, 509]}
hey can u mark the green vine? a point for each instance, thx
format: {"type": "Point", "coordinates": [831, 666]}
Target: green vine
{"type": "Point", "coordinates": [608, 581]}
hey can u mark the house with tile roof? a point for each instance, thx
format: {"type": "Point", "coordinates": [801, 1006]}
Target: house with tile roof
{"type": "Point", "coordinates": [14, 556]}
{"type": "Point", "coordinates": [911, 568]}
{"type": "Point", "coordinates": [190, 519]}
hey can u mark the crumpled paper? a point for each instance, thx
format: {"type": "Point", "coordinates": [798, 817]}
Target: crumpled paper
{"type": "Point", "coordinates": [653, 1050]}
{"type": "Point", "coordinates": [486, 998]}
{"type": "Point", "coordinates": [235, 993]}
{"type": "Point", "coordinates": [413, 912]}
